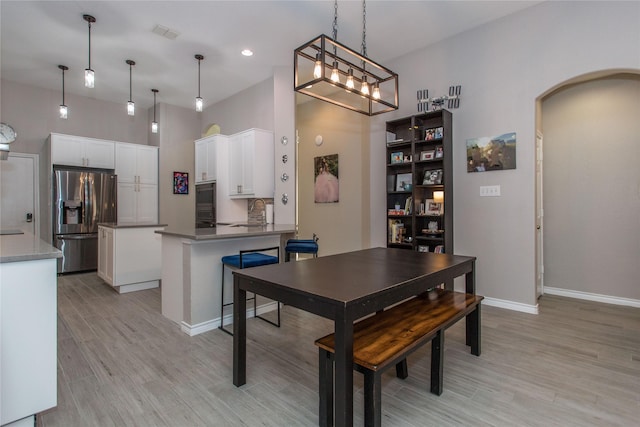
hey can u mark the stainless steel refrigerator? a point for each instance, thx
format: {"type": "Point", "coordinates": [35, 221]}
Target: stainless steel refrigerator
{"type": "Point", "coordinates": [82, 198]}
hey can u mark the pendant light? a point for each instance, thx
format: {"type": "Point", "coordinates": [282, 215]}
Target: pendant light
{"type": "Point", "coordinates": [131, 107]}
{"type": "Point", "coordinates": [332, 72]}
{"type": "Point", "coordinates": [64, 111]}
{"type": "Point", "coordinates": [199, 100]}
{"type": "Point", "coordinates": [89, 75]}
{"type": "Point", "coordinates": [154, 124]}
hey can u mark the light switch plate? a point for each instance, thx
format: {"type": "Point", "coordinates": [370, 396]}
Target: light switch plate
{"type": "Point", "coordinates": [489, 191]}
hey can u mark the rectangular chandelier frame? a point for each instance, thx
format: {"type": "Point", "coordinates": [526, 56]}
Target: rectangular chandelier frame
{"type": "Point", "coordinates": [328, 51]}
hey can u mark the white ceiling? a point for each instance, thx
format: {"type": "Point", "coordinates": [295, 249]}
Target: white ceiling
{"type": "Point", "coordinates": [36, 36]}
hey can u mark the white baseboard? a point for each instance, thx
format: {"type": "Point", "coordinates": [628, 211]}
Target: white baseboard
{"type": "Point", "coordinates": [212, 324]}
{"type": "Point", "coordinates": [510, 305]}
{"type": "Point", "coordinates": [592, 297]}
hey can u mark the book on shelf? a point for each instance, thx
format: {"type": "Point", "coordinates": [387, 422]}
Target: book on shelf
{"type": "Point", "coordinates": [439, 249]}
{"type": "Point", "coordinates": [396, 231]}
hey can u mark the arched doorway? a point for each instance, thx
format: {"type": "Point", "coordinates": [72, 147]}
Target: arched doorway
{"type": "Point", "coordinates": [591, 182]}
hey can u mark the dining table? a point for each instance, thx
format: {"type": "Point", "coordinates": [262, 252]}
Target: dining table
{"type": "Point", "coordinates": [344, 288]}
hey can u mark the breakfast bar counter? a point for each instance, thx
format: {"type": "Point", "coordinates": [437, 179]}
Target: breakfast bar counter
{"type": "Point", "coordinates": [192, 269]}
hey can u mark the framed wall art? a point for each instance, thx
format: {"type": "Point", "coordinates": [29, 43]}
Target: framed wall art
{"type": "Point", "coordinates": [181, 183]}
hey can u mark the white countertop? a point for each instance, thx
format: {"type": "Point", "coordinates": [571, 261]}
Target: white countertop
{"type": "Point", "coordinates": [227, 231]}
{"type": "Point", "coordinates": [25, 247]}
{"type": "Point", "coordinates": [128, 225]}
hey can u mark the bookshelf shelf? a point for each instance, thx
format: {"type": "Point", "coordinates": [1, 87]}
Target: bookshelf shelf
{"type": "Point", "coordinates": [423, 146]}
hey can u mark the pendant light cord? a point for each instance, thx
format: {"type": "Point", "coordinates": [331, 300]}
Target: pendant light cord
{"type": "Point", "coordinates": [199, 78]}
{"type": "Point", "coordinates": [63, 86]}
{"type": "Point", "coordinates": [130, 77]}
{"type": "Point", "coordinates": [89, 44]}
{"type": "Point", "coordinates": [335, 26]}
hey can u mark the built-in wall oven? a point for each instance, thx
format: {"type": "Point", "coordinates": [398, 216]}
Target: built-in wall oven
{"type": "Point", "coordinates": [206, 205]}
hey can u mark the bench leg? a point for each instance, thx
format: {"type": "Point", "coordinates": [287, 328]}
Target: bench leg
{"type": "Point", "coordinates": [473, 330]}
{"type": "Point", "coordinates": [437, 354]}
{"type": "Point", "coordinates": [402, 370]}
{"type": "Point", "coordinates": [325, 382]}
{"type": "Point", "coordinates": [372, 399]}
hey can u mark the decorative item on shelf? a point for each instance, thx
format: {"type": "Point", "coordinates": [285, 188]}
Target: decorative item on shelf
{"type": "Point", "coordinates": [199, 100]}
{"type": "Point", "coordinates": [408, 206]}
{"type": "Point", "coordinates": [181, 183]}
{"type": "Point", "coordinates": [438, 196]}
{"type": "Point", "coordinates": [439, 249]}
{"type": "Point", "coordinates": [423, 248]}
{"type": "Point", "coordinates": [321, 65]}
{"type": "Point", "coordinates": [432, 227]}
{"type": "Point", "coordinates": [437, 103]}
{"type": "Point", "coordinates": [89, 75]}
{"type": "Point", "coordinates": [439, 152]}
{"type": "Point", "coordinates": [154, 123]}
{"type": "Point", "coordinates": [427, 155]}
{"type": "Point", "coordinates": [408, 158]}
{"type": "Point", "coordinates": [131, 107]}
{"type": "Point", "coordinates": [432, 177]}
{"type": "Point", "coordinates": [64, 110]}
{"type": "Point", "coordinates": [397, 157]}
{"type": "Point", "coordinates": [434, 208]}
{"type": "Point", "coordinates": [404, 182]}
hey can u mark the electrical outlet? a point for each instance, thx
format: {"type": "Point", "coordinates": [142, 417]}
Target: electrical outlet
{"type": "Point", "coordinates": [489, 191]}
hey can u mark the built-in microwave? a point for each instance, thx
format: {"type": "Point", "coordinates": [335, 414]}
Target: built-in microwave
{"type": "Point", "coordinates": [206, 205]}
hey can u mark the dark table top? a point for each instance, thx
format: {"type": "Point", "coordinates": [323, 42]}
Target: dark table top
{"type": "Point", "coordinates": [360, 277]}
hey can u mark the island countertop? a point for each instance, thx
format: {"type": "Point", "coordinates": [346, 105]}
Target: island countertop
{"type": "Point", "coordinates": [25, 247]}
{"type": "Point", "coordinates": [228, 231]}
{"type": "Point", "coordinates": [128, 225]}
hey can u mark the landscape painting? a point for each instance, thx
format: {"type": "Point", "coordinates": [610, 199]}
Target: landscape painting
{"type": "Point", "coordinates": [491, 153]}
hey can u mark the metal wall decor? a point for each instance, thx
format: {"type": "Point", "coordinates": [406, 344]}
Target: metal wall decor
{"type": "Point", "coordinates": [452, 99]}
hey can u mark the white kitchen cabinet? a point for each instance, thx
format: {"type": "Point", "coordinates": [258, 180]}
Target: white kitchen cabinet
{"type": "Point", "coordinates": [105, 254]}
{"type": "Point", "coordinates": [129, 257]}
{"type": "Point", "coordinates": [28, 340]}
{"type": "Point", "coordinates": [137, 170]}
{"type": "Point", "coordinates": [251, 164]}
{"type": "Point", "coordinates": [206, 152]}
{"type": "Point", "coordinates": [72, 150]}
{"type": "Point", "coordinates": [137, 203]}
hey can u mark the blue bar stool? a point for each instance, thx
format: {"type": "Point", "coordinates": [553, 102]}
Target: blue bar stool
{"type": "Point", "coordinates": [247, 259]}
{"type": "Point", "coordinates": [301, 246]}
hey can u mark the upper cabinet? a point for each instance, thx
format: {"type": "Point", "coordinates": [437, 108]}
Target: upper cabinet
{"type": "Point", "coordinates": [80, 151]}
{"type": "Point", "coordinates": [206, 150]}
{"type": "Point", "coordinates": [137, 163]}
{"type": "Point", "coordinates": [251, 164]}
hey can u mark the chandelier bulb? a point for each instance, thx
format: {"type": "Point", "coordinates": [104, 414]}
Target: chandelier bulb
{"type": "Point", "coordinates": [64, 111]}
{"type": "Point", "coordinates": [199, 104]}
{"type": "Point", "coordinates": [154, 127]}
{"type": "Point", "coordinates": [376, 91]}
{"type": "Point", "coordinates": [365, 86]}
{"type": "Point", "coordinates": [335, 74]}
{"type": "Point", "coordinates": [350, 83]}
{"type": "Point", "coordinates": [317, 69]}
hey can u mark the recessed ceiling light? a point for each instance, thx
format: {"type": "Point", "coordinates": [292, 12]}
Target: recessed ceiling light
{"type": "Point", "coordinates": [247, 52]}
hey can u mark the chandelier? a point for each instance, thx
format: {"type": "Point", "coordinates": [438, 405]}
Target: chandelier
{"type": "Point", "coordinates": [328, 70]}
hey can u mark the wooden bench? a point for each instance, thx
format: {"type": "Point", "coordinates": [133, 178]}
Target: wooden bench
{"type": "Point", "coordinates": [388, 337]}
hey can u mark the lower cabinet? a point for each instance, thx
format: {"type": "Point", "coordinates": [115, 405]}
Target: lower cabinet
{"type": "Point", "coordinates": [129, 257]}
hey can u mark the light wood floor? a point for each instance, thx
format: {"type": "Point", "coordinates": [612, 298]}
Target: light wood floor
{"type": "Point", "coordinates": [121, 363]}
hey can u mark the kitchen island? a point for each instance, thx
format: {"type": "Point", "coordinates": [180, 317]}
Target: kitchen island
{"type": "Point", "coordinates": [192, 270]}
{"type": "Point", "coordinates": [129, 255]}
{"type": "Point", "coordinates": [28, 340]}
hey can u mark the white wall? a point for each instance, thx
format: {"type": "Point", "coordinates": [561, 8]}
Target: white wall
{"type": "Point", "coordinates": [592, 187]}
{"type": "Point", "coordinates": [503, 68]}
{"type": "Point", "coordinates": [178, 129]}
{"type": "Point", "coordinates": [341, 226]}
{"type": "Point", "coordinates": [33, 112]}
